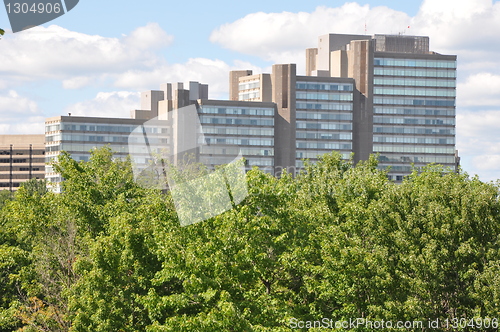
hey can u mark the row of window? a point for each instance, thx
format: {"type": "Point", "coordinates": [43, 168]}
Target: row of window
{"type": "Point", "coordinates": [108, 128]}
{"type": "Point", "coordinates": [138, 138]}
{"type": "Point", "coordinates": [323, 86]}
{"type": "Point", "coordinates": [414, 92]}
{"type": "Point", "coordinates": [54, 179]}
{"type": "Point", "coordinates": [327, 125]}
{"type": "Point", "coordinates": [242, 131]}
{"type": "Point", "coordinates": [95, 138]}
{"type": "Point", "coordinates": [324, 96]}
{"type": "Point", "coordinates": [416, 159]}
{"type": "Point", "coordinates": [414, 63]}
{"type": "Point", "coordinates": [413, 149]}
{"type": "Point", "coordinates": [49, 128]}
{"type": "Point", "coordinates": [399, 168]}
{"type": "Point", "coordinates": [414, 121]}
{"type": "Point", "coordinates": [414, 111]}
{"type": "Point", "coordinates": [323, 146]}
{"type": "Point", "coordinates": [15, 176]}
{"type": "Point", "coordinates": [414, 130]}
{"type": "Point", "coordinates": [101, 138]}
{"type": "Point", "coordinates": [160, 151]}
{"type": "Point", "coordinates": [324, 116]}
{"type": "Point", "coordinates": [21, 160]}
{"type": "Point", "coordinates": [76, 147]}
{"type": "Point", "coordinates": [440, 73]}
{"type": "Point", "coordinates": [249, 85]}
{"type": "Point", "coordinates": [22, 152]}
{"type": "Point", "coordinates": [248, 95]}
{"type": "Point", "coordinates": [394, 177]}
{"type": "Point", "coordinates": [237, 111]}
{"type": "Point", "coordinates": [325, 106]}
{"type": "Point", "coordinates": [414, 102]}
{"type": "Point", "coordinates": [246, 151]}
{"type": "Point", "coordinates": [314, 155]}
{"type": "Point", "coordinates": [240, 141]}
{"type": "Point", "coordinates": [412, 139]}
{"type": "Point", "coordinates": [237, 121]}
{"type": "Point", "coordinates": [7, 185]}
{"type": "Point", "coordinates": [220, 160]}
{"type": "Point", "coordinates": [21, 169]}
{"type": "Point", "coordinates": [53, 138]}
{"type": "Point", "coordinates": [414, 82]}
{"type": "Point", "coordinates": [260, 162]}
{"type": "Point", "coordinates": [324, 135]}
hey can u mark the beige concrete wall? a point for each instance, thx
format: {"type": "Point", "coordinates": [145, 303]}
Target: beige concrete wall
{"type": "Point", "coordinates": [234, 80]}
{"type": "Point", "coordinates": [311, 58]}
{"type": "Point", "coordinates": [283, 81]}
{"type": "Point", "coordinates": [338, 64]}
{"type": "Point", "coordinates": [22, 141]}
{"type": "Point", "coordinates": [18, 166]}
{"type": "Point", "coordinates": [360, 59]}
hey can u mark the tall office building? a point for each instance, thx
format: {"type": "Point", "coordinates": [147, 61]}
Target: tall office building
{"type": "Point", "coordinates": [174, 123]}
{"type": "Point", "coordinates": [361, 94]}
{"type": "Point", "coordinates": [314, 114]}
{"type": "Point", "coordinates": [80, 135]}
{"type": "Point", "coordinates": [215, 131]}
{"type": "Point", "coordinates": [406, 109]}
{"type": "Point", "coordinates": [21, 159]}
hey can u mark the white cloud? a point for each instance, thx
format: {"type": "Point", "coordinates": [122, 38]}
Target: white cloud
{"type": "Point", "coordinates": [277, 36]}
{"type": "Point", "coordinates": [465, 24]}
{"type": "Point", "coordinates": [478, 142]}
{"type": "Point", "coordinates": [76, 82]}
{"type": "Point", "coordinates": [22, 105]}
{"type": "Point", "coordinates": [117, 104]}
{"type": "Point", "coordinates": [151, 36]}
{"type": "Point", "coordinates": [468, 28]}
{"type": "Point", "coordinates": [488, 162]}
{"type": "Point", "coordinates": [481, 89]}
{"type": "Point", "coordinates": [215, 73]}
{"type": "Point", "coordinates": [20, 115]}
{"type": "Point", "coordinates": [77, 58]}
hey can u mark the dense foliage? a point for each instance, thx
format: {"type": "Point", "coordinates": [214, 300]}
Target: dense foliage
{"type": "Point", "coordinates": [337, 242]}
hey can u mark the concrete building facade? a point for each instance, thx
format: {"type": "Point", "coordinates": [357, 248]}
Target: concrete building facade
{"type": "Point", "coordinates": [407, 93]}
{"type": "Point", "coordinates": [22, 157]}
{"type": "Point", "coordinates": [361, 95]}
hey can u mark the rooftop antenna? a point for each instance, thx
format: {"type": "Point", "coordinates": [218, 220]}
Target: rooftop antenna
{"type": "Point", "coordinates": [365, 27]}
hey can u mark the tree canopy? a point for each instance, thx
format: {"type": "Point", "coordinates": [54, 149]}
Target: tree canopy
{"type": "Point", "coordinates": [337, 241]}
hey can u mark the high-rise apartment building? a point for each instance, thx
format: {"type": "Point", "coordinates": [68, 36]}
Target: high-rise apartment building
{"type": "Point", "coordinates": [361, 94]}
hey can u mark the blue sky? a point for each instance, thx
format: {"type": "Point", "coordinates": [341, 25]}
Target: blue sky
{"type": "Point", "coordinates": [95, 59]}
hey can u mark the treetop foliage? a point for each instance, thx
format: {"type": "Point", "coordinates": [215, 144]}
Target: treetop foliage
{"type": "Point", "coordinates": [337, 241]}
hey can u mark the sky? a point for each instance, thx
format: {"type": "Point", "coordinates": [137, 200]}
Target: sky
{"type": "Point", "coordinates": [95, 60]}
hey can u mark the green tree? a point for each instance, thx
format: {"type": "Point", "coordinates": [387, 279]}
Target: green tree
{"type": "Point", "coordinates": [92, 188]}
{"type": "Point", "coordinates": [48, 233]}
{"type": "Point", "coordinates": [35, 187]}
{"type": "Point", "coordinates": [5, 196]}
{"type": "Point", "coordinates": [338, 241]}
